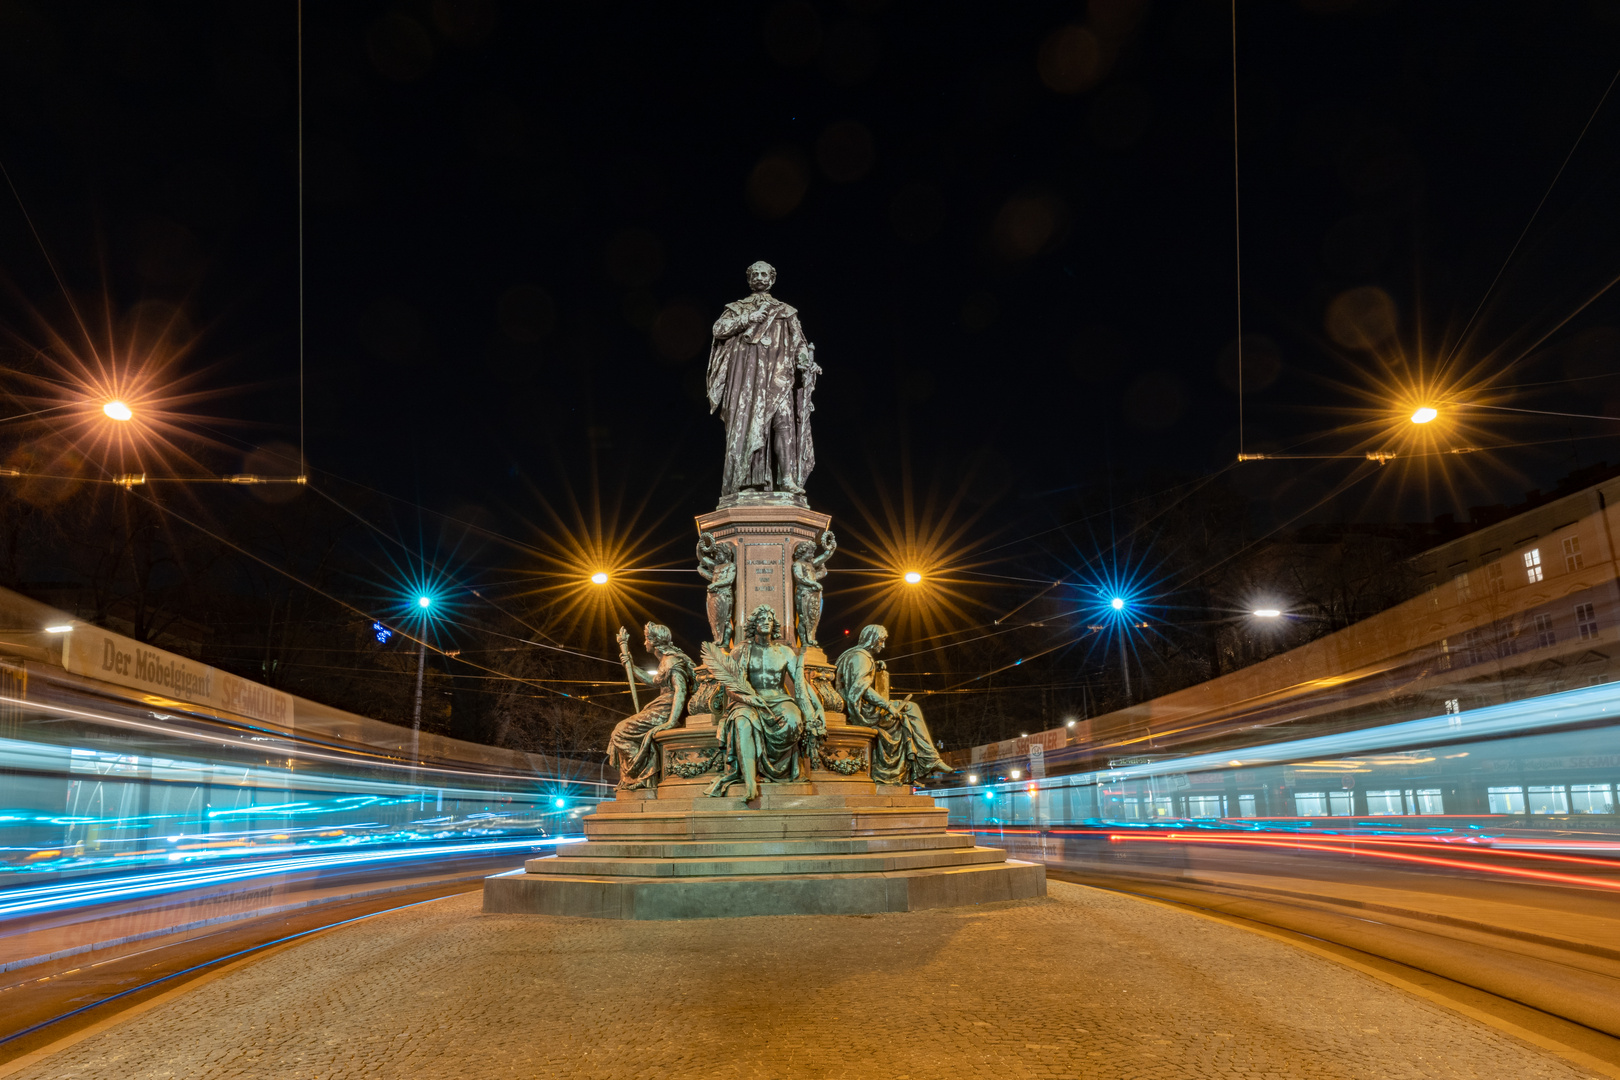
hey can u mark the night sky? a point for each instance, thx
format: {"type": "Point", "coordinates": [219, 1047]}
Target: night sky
{"type": "Point", "coordinates": [1008, 229]}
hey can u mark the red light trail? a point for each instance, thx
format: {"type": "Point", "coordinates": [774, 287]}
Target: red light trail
{"type": "Point", "coordinates": [1340, 846]}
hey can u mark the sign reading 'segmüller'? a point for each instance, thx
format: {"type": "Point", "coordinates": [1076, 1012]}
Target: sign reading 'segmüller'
{"type": "Point", "coordinates": [101, 654]}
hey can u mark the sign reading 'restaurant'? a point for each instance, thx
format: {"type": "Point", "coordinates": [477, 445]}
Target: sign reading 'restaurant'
{"type": "Point", "coordinates": [101, 654]}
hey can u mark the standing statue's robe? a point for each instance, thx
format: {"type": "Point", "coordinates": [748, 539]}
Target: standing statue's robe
{"type": "Point", "coordinates": [751, 384]}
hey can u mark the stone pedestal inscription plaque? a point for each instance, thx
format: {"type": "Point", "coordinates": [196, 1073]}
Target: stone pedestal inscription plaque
{"type": "Point", "coordinates": [765, 537]}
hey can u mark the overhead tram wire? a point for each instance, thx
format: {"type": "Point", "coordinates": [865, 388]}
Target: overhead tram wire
{"type": "Point", "coordinates": [1532, 412]}
{"type": "Point", "coordinates": [980, 626]}
{"type": "Point", "coordinates": [1560, 382]}
{"type": "Point", "coordinates": [336, 600]}
{"type": "Point", "coordinates": [1237, 228]}
{"type": "Point", "coordinates": [1338, 490]}
{"type": "Point", "coordinates": [144, 480]}
{"type": "Point", "coordinates": [482, 530]}
{"type": "Point", "coordinates": [1565, 321]}
{"type": "Point", "coordinates": [1379, 456]}
{"type": "Point", "coordinates": [427, 564]}
{"type": "Point", "coordinates": [1196, 485]}
{"type": "Point", "coordinates": [1019, 662]}
{"type": "Point", "coordinates": [303, 464]}
{"type": "Point", "coordinates": [581, 654]}
{"type": "Point", "coordinates": [523, 546]}
{"type": "Point", "coordinates": [555, 645]}
{"type": "Point", "coordinates": [50, 262]}
{"type": "Point", "coordinates": [1463, 336]}
{"type": "Point", "coordinates": [981, 637]}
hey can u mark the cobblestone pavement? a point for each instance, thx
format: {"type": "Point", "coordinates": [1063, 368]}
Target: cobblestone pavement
{"type": "Point", "coordinates": [1082, 984]}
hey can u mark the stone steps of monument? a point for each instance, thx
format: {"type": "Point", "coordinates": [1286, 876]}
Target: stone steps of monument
{"type": "Point", "coordinates": [769, 800]}
{"type": "Point", "coordinates": [872, 863]}
{"type": "Point", "coordinates": [764, 825]}
{"type": "Point", "coordinates": [786, 894]}
{"type": "Point", "coordinates": [701, 849]}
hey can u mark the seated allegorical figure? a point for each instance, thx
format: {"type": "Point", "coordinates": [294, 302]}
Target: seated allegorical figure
{"type": "Point", "coordinates": [631, 748]}
{"type": "Point", "coordinates": [768, 708]}
{"type": "Point", "coordinates": [904, 751]}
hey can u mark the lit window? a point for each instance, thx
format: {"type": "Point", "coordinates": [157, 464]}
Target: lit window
{"type": "Point", "coordinates": [1465, 593]}
{"type": "Point", "coordinates": [1206, 806]}
{"type": "Point", "coordinates": [1532, 565]}
{"type": "Point", "coordinates": [1572, 553]}
{"type": "Point", "coordinates": [1245, 806]}
{"type": "Point", "coordinates": [1310, 803]}
{"type": "Point", "coordinates": [1544, 631]}
{"type": "Point", "coordinates": [1390, 803]}
{"type": "Point", "coordinates": [1586, 621]}
{"type": "Point", "coordinates": [1591, 799]}
{"type": "Point", "coordinates": [1323, 804]}
{"type": "Point", "coordinates": [1506, 800]}
{"type": "Point", "coordinates": [1384, 803]}
{"type": "Point", "coordinates": [1426, 801]}
{"type": "Point", "coordinates": [1549, 800]}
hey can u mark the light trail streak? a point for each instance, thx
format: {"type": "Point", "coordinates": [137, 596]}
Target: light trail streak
{"type": "Point", "coordinates": [41, 898]}
{"type": "Point", "coordinates": [359, 757]}
{"type": "Point", "coordinates": [1315, 844]}
{"type": "Point", "coordinates": [1581, 705]}
{"type": "Point", "coordinates": [1477, 845]}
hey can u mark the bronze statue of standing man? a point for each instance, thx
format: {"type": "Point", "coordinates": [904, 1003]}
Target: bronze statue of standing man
{"type": "Point", "coordinates": [762, 372]}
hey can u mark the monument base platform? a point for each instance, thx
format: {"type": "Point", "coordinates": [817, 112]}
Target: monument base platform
{"type": "Point", "coordinates": [777, 894]}
{"type": "Point", "coordinates": [793, 851]}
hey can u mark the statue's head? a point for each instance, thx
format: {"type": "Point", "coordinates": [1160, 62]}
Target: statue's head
{"type": "Point", "coordinates": [804, 549]}
{"type": "Point", "coordinates": [762, 625]}
{"type": "Point", "coordinates": [761, 276]}
{"type": "Point", "coordinates": [873, 638]}
{"type": "Point", "coordinates": [657, 637]}
{"type": "Point", "coordinates": [726, 552]}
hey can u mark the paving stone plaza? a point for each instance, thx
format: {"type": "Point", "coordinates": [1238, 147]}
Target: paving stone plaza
{"type": "Point", "coordinates": [1081, 983]}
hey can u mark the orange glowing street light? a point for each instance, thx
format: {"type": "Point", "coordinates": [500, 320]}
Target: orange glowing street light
{"type": "Point", "coordinates": [117, 410]}
{"type": "Point", "coordinates": [599, 578]}
{"type": "Point", "coordinates": [1424, 415]}
{"type": "Point", "coordinates": [912, 577]}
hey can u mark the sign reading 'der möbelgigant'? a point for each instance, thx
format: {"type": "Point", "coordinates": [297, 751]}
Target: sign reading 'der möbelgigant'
{"type": "Point", "coordinates": [101, 654]}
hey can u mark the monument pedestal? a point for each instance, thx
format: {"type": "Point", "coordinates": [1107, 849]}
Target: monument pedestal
{"type": "Point", "coordinates": [765, 534]}
{"type": "Point", "coordinates": [835, 844]}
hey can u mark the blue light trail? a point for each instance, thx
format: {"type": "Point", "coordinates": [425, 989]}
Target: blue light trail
{"type": "Point", "coordinates": [60, 895]}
